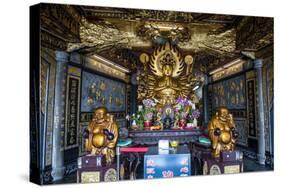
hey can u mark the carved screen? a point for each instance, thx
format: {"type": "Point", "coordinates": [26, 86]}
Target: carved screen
{"type": "Point", "coordinates": [230, 93]}
{"type": "Point", "coordinates": [101, 91]}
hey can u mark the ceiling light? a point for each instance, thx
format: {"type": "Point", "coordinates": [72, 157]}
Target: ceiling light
{"type": "Point", "coordinates": [216, 70]}
{"type": "Point", "coordinates": [232, 63]}
{"type": "Point", "coordinates": [110, 63]}
{"type": "Point", "coordinates": [195, 88]}
{"type": "Point", "coordinates": [236, 61]}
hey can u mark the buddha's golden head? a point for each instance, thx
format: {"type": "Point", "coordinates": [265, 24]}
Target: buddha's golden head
{"type": "Point", "coordinates": [223, 113]}
{"type": "Point", "coordinates": [100, 113]}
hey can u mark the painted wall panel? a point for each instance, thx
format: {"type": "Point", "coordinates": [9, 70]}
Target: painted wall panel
{"type": "Point", "coordinates": [101, 91]}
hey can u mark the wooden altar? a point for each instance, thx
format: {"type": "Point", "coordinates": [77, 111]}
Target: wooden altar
{"type": "Point", "coordinates": [143, 137]}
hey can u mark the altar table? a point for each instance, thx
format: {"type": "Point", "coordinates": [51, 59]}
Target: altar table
{"type": "Point", "coordinates": [176, 163]}
{"type": "Point", "coordinates": [152, 137]}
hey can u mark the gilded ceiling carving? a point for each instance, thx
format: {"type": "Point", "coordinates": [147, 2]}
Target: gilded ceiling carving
{"type": "Point", "coordinates": [213, 39]}
{"type": "Point", "coordinates": [50, 41]}
{"type": "Point", "coordinates": [101, 36]}
{"type": "Point", "coordinates": [104, 36]}
{"type": "Point", "coordinates": [220, 44]}
{"type": "Point", "coordinates": [61, 21]}
{"type": "Point", "coordinates": [254, 33]}
{"type": "Point", "coordinates": [156, 31]}
{"type": "Point", "coordinates": [137, 14]}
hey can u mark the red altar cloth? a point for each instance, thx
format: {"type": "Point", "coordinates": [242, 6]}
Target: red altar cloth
{"type": "Point", "coordinates": [134, 149]}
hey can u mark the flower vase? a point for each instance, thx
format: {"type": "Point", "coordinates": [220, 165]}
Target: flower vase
{"type": "Point", "coordinates": [147, 124]}
{"type": "Point", "coordinates": [134, 123]}
{"type": "Point", "coordinates": [195, 122]}
{"type": "Point", "coordinates": [189, 125]}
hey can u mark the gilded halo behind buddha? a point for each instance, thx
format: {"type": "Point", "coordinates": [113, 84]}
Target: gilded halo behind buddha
{"type": "Point", "coordinates": [171, 76]}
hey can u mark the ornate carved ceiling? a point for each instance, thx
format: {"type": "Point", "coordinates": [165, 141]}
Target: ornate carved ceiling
{"type": "Point", "coordinates": [254, 33]}
{"type": "Point", "coordinates": [59, 25]}
{"type": "Point", "coordinates": [133, 28]}
{"type": "Point", "coordinates": [122, 34]}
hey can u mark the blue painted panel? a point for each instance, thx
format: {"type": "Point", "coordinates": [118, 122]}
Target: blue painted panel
{"type": "Point", "coordinates": [230, 93]}
{"type": "Point", "coordinates": [167, 166]}
{"type": "Point", "coordinates": [101, 91]}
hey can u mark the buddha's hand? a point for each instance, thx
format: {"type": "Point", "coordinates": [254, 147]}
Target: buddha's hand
{"type": "Point", "coordinates": [86, 133]}
{"type": "Point", "coordinates": [217, 131]}
{"type": "Point", "coordinates": [108, 134]}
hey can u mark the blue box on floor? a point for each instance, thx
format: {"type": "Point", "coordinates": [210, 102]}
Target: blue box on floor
{"type": "Point", "coordinates": [170, 165]}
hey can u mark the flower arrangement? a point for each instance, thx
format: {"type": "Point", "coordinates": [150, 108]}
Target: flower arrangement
{"type": "Point", "coordinates": [181, 102]}
{"type": "Point", "coordinates": [148, 116]}
{"type": "Point", "coordinates": [183, 106]}
{"type": "Point", "coordinates": [183, 115]}
{"type": "Point", "coordinates": [136, 120]}
{"type": "Point", "coordinates": [148, 103]}
{"type": "Point", "coordinates": [149, 108]}
{"type": "Point", "coordinates": [193, 115]}
{"type": "Point", "coordinates": [185, 110]}
{"type": "Point", "coordinates": [140, 117]}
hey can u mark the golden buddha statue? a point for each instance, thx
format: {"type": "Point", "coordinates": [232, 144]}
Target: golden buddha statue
{"type": "Point", "coordinates": [167, 88]}
{"type": "Point", "coordinates": [222, 132]}
{"type": "Point", "coordinates": [168, 80]}
{"type": "Point", "coordinates": [102, 134]}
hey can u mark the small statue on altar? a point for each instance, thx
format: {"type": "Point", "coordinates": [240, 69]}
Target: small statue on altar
{"type": "Point", "coordinates": [168, 118]}
{"type": "Point", "coordinates": [176, 122]}
{"type": "Point", "coordinates": [158, 120]}
{"type": "Point", "coordinates": [222, 132]}
{"type": "Point", "coordinates": [102, 134]}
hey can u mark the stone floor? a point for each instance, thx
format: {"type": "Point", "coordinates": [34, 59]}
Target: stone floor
{"type": "Point", "coordinates": [251, 165]}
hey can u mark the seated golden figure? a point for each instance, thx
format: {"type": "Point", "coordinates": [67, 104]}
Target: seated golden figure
{"type": "Point", "coordinates": [102, 134]}
{"type": "Point", "coordinates": [167, 88]}
{"type": "Point", "coordinates": [222, 132]}
{"type": "Point", "coordinates": [167, 75]}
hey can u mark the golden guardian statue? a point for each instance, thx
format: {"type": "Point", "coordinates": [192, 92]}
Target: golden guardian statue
{"type": "Point", "coordinates": [222, 132]}
{"type": "Point", "coordinates": [168, 80]}
{"type": "Point", "coordinates": [102, 134]}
